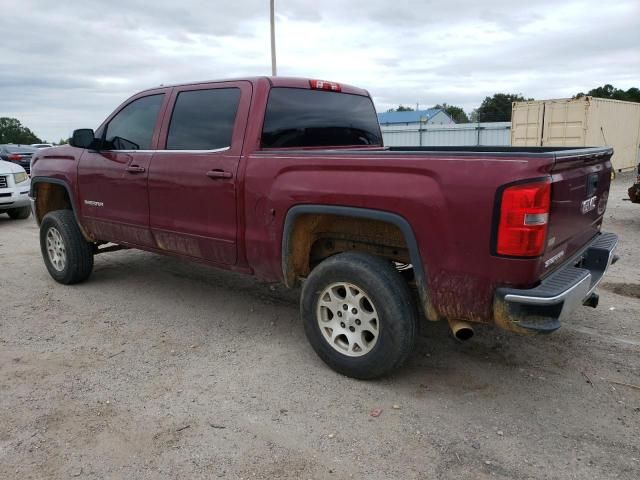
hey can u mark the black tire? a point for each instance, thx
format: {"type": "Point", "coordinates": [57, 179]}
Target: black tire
{"type": "Point", "coordinates": [391, 299]}
{"type": "Point", "coordinates": [19, 213]}
{"type": "Point", "coordinates": [634, 193]}
{"type": "Point", "coordinates": [78, 262]}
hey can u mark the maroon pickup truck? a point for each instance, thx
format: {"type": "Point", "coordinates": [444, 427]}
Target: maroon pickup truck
{"type": "Point", "coordinates": [287, 179]}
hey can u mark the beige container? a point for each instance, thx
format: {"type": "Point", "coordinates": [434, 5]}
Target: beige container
{"type": "Point", "coordinates": [580, 122]}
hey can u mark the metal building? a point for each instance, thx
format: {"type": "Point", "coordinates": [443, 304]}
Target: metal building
{"type": "Point", "coordinates": [580, 122]}
{"type": "Point", "coordinates": [455, 134]}
{"type": "Point", "coordinates": [414, 118]}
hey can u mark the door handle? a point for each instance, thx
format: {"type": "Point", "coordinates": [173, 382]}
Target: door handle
{"type": "Point", "coordinates": [135, 169]}
{"type": "Point", "coordinates": [219, 174]}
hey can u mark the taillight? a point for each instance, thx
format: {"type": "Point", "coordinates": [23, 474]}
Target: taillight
{"type": "Point", "coordinates": [14, 158]}
{"type": "Point", "coordinates": [324, 85]}
{"type": "Point", "coordinates": [524, 217]}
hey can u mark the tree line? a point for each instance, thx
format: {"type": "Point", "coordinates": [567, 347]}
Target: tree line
{"type": "Point", "coordinates": [497, 108]}
{"type": "Point", "coordinates": [12, 131]}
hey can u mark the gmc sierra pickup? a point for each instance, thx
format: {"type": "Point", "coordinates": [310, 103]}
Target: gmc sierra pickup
{"type": "Point", "coordinates": [287, 179]}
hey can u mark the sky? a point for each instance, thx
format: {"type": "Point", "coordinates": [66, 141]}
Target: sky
{"type": "Point", "coordinates": [67, 65]}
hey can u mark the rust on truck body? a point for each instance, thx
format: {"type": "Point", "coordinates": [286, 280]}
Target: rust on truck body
{"type": "Point", "coordinates": [315, 237]}
{"type": "Point", "coordinates": [52, 196]}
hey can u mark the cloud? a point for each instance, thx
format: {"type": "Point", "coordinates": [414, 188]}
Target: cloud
{"type": "Point", "coordinates": [69, 64]}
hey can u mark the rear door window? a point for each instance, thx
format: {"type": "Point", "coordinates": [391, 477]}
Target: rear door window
{"type": "Point", "coordinates": [203, 119]}
{"type": "Point", "coordinates": [19, 149]}
{"type": "Point", "coordinates": [132, 127]}
{"type": "Point", "coordinates": [314, 118]}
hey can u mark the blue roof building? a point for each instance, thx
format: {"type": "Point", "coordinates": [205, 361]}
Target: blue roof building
{"type": "Point", "coordinates": [431, 116]}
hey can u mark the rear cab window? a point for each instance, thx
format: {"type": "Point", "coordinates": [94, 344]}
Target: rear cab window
{"type": "Point", "coordinates": [298, 117]}
{"type": "Point", "coordinates": [19, 149]}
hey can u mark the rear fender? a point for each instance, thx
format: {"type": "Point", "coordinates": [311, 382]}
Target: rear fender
{"type": "Point", "coordinates": [288, 247]}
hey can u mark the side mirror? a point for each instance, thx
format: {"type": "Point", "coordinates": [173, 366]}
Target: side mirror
{"type": "Point", "coordinates": [82, 138]}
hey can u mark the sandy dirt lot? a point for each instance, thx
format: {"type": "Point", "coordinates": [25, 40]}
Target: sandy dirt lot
{"type": "Point", "coordinates": [156, 368]}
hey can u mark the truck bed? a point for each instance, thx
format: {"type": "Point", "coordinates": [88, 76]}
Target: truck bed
{"type": "Point", "coordinates": [466, 151]}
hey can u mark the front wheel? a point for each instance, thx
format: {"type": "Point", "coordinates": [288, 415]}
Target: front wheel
{"type": "Point", "coordinates": [20, 213]}
{"type": "Point", "coordinates": [359, 315]}
{"type": "Point", "coordinates": [67, 255]}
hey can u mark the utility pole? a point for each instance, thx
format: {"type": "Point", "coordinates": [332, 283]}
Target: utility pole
{"type": "Point", "coordinates": [274, 70]}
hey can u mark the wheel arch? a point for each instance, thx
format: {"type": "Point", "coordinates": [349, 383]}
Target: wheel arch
{"type": "Point", "coordinates": [56, 195]}
{"type": "Point", "coordinates": [290, 270]}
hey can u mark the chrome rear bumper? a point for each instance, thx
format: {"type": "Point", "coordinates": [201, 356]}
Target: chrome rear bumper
{"type": "Point", "coordinates": [542, 309]}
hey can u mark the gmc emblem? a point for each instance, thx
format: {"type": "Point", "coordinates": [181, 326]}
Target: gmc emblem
{"type": "Point", "coordinates": [589, 204]}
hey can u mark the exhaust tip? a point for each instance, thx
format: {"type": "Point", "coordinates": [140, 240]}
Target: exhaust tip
{"type": "Point", "coordinates": [461, 330]}
{"type": "Point", "coordinates": [464, 334]}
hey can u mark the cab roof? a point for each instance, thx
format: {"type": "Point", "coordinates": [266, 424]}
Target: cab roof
{"type": "Point", "coordinates": [291, 82]}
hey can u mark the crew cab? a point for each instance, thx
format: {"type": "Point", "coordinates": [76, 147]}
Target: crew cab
{"type": "Point", "coordinates": [287, 179]}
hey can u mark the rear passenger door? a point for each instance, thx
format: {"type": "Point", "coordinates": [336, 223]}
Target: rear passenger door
{"type": "Point", "coordinates": [193, 176]}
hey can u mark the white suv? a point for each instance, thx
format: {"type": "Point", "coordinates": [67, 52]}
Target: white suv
{"type": "Point", "coordinates": [14, 191]}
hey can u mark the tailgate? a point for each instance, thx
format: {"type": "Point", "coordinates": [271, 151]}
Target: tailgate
{"type": "Point", "coordinates": [579, 191]}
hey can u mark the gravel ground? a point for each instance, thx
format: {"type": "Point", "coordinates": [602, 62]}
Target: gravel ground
{"type": "Point", "coordinates": [156, 368]}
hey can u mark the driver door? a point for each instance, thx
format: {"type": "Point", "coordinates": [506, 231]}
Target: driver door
{"type": "Point", "coordinates": [112, 181]}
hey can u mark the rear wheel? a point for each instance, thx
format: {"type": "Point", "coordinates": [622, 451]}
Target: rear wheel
{"type": "Point", "coordinates": [19, 213]}
{"type": "Point", "coordinates": [359, 315]}
{"type": "Point", "coordinates": [67, 255]}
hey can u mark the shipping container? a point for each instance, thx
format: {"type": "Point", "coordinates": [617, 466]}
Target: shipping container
{"type": "Point", "coordinates": [580, 122]}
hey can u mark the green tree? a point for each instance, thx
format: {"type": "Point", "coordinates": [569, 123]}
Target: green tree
{"type": "Point", "coordinates": [12, 131]}
{"type": "Point", "coordinates": [633, 95]}
{"type": "Point", "coordinates": [609, 91]}
{"type": "Point", "coordinates": [63, 141]}
{"type": "Point", "coordinates": [496, 108]}
{"type": "Point", "coordinates": [401, 108]}
{"type": "Point", "coordinates": [457, 113]}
